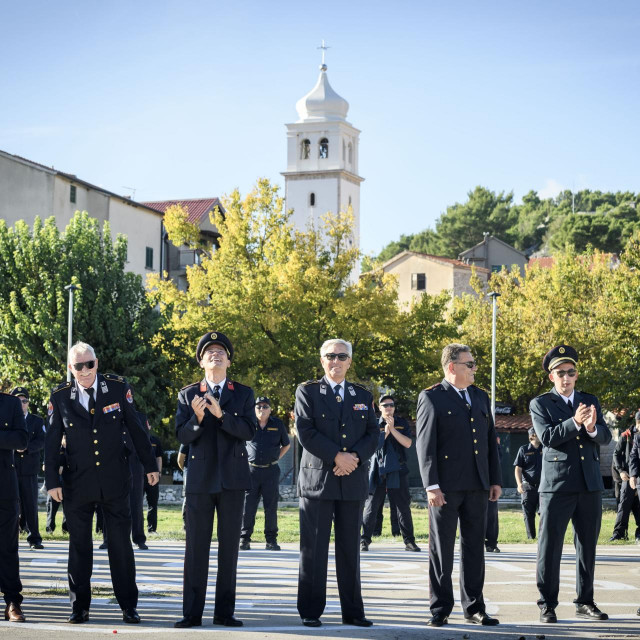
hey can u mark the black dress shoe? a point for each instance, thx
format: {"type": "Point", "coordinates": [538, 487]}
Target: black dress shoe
{"type": "Point", "coordinates": [142, 546]}
{"type": "Point", "coordinates": [272, 546]}
{"type": "Point", "coordinates": [37, 545]}
{"type": "Point", "coordinates": [227, 622]}
{"type": "Point", "coordinates": [104, 545]}
{"type": "Point", "coordinates": [357, 622]}
{"type": "Point", "coordinates": [412, 546]}
{"type": "Point", "coordinates": [638, 612]}
{"type": "Point", "coordinates": [311, 622]}
{"type": "Point", "coordinates": [245, 545]}
{"type": "Point", "coordinates": [188, 622]}
{"type": "Point", "coordinates": [437, 620]}
{"type": "Point", "coordinates": [364, 545]}
{"type": "Point", "coordinates": [491, 549]}
{"type": "Point", "coordinates": [590, 612]}
{"type": "Point", "coordinates": [615, 537]}
{"type": "Point", "coordinates": [482, 618]}
{"type": "Point", "coordinates": [78, 617]}
{"type": "Point", "coordinates": [130, 616]}
{"type": "Point", "coordinates": [548, 614]}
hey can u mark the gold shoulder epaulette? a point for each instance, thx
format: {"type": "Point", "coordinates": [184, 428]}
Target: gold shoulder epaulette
{"type": "Point", "coordinates": [189, 385]}
{"type": "Point", "coordinates": [304, 384]}
{"type": "Point", "coordinates": [61, 386]}
{"type": "Point", "coordinates": [114, 377]}
{"type": "Point", "coordinates": [433, 386]}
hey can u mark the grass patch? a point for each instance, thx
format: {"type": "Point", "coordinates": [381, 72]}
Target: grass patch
{"type": "Point", "coordinates": [511, 526]}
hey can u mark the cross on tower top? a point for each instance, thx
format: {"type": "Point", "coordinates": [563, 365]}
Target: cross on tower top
{"type": "Point", "coordinates": [324, 48]}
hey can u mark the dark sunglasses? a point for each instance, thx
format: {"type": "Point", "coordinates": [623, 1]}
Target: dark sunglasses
{"type": "Point", "coordinates": [569, 372]}
{"type": "Point", "coordinates": [332, 356]}
{"type": "Point", "coordinates": [79, 366]}
{"type": "Point", "coordinates": [470, 363]}
{"type": "Point", "coordinates": [263, 406]}
{"type": "Point", "coordinates": [24, 401]}
{"type": "Point", "coordinates": [388, 404]}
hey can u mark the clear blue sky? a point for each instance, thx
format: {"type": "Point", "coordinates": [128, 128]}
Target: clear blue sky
{"type": "Point", "coordinates": [189, 99]}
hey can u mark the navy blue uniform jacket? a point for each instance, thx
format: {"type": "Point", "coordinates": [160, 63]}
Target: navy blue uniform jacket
{"type": "Point", "coordinates": [571, 458]}
{"type": "Point", "coordinates": [323, 435]}
{"type": "Point", "coordinates": [28, 462]}
{"type": "Point", "coordinates": [13, 435]}
{"type": "Point", "coordinates": [97, 451]}
{"type": "Point", "coordinates": [457, 447]}
{"type": "Point", "coordinates": [217, 447]}
{"type": "Point", "coordinates": [634, 457]}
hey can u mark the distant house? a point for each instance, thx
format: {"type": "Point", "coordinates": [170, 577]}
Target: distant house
{"type": "Point", "coordinates": [177, 259]}
{"type": "Point", "coordinates": [420, 273]}
{"type": "Point", "coordinates": [494, 254]}
{"type": "Point", "coordinates": [29, 189]}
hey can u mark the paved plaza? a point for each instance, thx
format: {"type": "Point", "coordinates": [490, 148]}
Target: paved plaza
{"type": "Point", "coordinates": [394, 588]}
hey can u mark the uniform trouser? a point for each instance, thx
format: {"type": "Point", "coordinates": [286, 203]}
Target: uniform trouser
{"type": "Point", "coordinates": [315, 531]}
{"type": "Point", "coordinates": [530, 504]}
{"type": "Point", "coordinates": [584, 509]}
{"type": "Point", "coordinates": [200, 511]}
{"type": "Point", "coordinates": [265, 483]}
{"type": "Point", "coordinates": [153, 494]}
{"type": "Point", "coordinates": [393, 518]}
{"type": "Point", "coordinates": [10, 584]}
{"type": "Point", "coordinates": [493, 524]}
{"type": "Point", "coordinates": [52, 510]}
{"type": "Point", "coordinates": [28, 488]}
{"type": "Point", "coordinates": [137, 512]}
{"type": "Point", "coordinates": [117, 518]}
{"type": "Point", "coordinates": [402, 501]}
{"type": "Point", "coordinates": [628, 504]}
{"type": "Point", "coordinates": [470, 508]}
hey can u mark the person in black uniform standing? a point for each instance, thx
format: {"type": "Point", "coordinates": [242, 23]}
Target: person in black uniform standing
{"type": "Point", "coordinates": [389, 474]}
{"type": "Point", "coordinates": [269, 444]}
{"type": "Point", "coordinates": [628, 502]}
{"type": "Point", "coordinates": [338, 430]}
{"type": "Point", "coordinates": [528, 467]}
{"type": "Point", "coordinates": [570, 425]}
{"type": "Point", "coordinates": [634, 470]}
{"type": "Point", "coordinates": [153, 492]}
{"type": "Point", "coordinates": [13, 436]}
{"type": "Point", "coordinates": [215, 417]}
{"type": "Point", "coordinates": [97, 415]}
{"type": "Point", "coordinates": [458, 458]}
{"type": "Point", "coordinates": [27, 463]}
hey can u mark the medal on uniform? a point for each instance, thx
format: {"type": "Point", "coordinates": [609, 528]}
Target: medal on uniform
{"type": "Point", "coordinates": [203, 386]}
{"type": "Point", "coordinates": [338, 398]}
{"type": "Point", "coordinates": [352, 391]}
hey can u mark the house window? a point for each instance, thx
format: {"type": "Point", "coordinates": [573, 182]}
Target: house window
{"type": "Point", "coordinates": [312, 199]}
{"type": "Point", "coordinates": [418, 281]}
{"type": "Point", "coordinates": [148, 262]}
{"type": "Point", "coordinates": [496, 268]}
{"type": "Point", "coordinates": [305, 149]}
{"type": "Point", "coordinates": [324, 148]}
{"type": "Point", "coordinates": [72, 194]}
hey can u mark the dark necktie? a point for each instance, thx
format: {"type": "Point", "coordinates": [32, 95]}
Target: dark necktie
{"type": "Point", "coordinates": [336, 390]}
{"type": "Point", "coordinates": [570, 405]}
{"type": "Point", "coordinates": [465, 398]}
{"type": "Point", "coordinates": [92, 401]}
{"type": "Point", "coordinates": [216, 392]}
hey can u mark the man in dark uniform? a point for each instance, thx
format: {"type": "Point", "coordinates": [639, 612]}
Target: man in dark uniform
{"type": "Point", "coordinates": [215, 417]}
{"type": "Point", "coordinates": [634, 470]}
{"type": "Point", "coordinates": [389, 474]}
{"type": "Point", "coordinates": [27, 464]}
{"type": "Point", "coordinates": [153, 492]}
{"type": "Point", "coordinates": [97, 415]}
{"type": "Point", "coordinates": [628, 502]}
{"type": "Point", "coordinates": [570, 425]}
{"type": "Point", "coordinates": [528, 467]}
{"type": "Point", "coordinates": [337, 427]}
{"type": "Point", "coordinates": [13, 436]}
{"type": "Point", "coordinates": [458, 458]}
{"type": "Point", "coordinates": [269, 444]}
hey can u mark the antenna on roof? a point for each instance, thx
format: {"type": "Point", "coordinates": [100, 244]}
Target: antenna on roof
{"type": "Point", "coordinates": [133, 190]}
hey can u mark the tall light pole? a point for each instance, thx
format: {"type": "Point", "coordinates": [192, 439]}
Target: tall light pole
{"type": "Point", "coordinates": [70, 288]}
{"type": "Point", "coordinates": [494, 296]}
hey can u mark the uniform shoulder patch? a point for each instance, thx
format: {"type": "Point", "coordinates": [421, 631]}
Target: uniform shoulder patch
{"type": "Point", "coordinates": [308, 382]}
{"type": "Point", "coordinates": [193, 384]}
{"type": "Point", "coordinates": [61, 386]}
{"type": "Point", "coordinates": [434, 386]}
{"type": "Point", "coordinates": [114, 378]}
{"type": "Point", "coordinates": [360, 386]}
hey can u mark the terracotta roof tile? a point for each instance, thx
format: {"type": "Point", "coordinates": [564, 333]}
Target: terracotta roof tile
{"type": "Point", "coordinates": [513, 423]}
{"type": "Point", "coordinates": [197, 208]}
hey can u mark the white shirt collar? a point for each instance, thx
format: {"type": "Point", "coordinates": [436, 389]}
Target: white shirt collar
{"type": "Point", "coordinates": [216, 384]}
{"type": "Point", "coordinates": [569, 399]}
{"type": "Point", "coordinates": [84, 396]}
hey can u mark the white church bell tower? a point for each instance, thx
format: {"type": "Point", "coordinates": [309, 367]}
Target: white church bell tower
{"type": "Point", "coordinates": [322, 158]}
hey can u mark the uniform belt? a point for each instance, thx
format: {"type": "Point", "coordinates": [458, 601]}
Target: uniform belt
{"type": "Point", "coordinates": [264, 466]}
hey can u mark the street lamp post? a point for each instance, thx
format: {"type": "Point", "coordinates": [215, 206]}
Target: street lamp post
{"type": "Point", "coordinates": [70, 288]}
{"type": "Point", "coordinates": [494, 297]}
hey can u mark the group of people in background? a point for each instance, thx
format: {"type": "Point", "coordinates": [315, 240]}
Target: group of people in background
{"type": "Point", "coordinates": [351, 459]}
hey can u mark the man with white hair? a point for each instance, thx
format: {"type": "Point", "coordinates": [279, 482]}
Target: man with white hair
{"type": "Point", "coordinates": [97, 415]}
{"type": "Point", "coordinates": [338, 430]}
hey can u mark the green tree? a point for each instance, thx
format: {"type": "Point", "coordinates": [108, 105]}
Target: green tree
{"type": "Point", "coordinates": [112, 312]}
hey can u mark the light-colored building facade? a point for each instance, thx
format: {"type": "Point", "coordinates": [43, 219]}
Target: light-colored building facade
{"type": "Point", "coordinates": [322, 159]}
{"type": "Point", "coordinates": [420, 273]}
{"type": "Point", "coordinates": [29, 189]}
{"type": "Point", "coordinates": [494, 254]}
